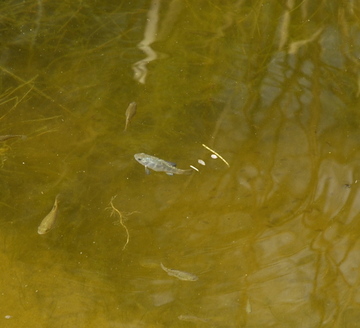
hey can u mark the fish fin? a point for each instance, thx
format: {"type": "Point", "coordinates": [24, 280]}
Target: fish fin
{"type": "Point", "coordinates": [171, 163]}
{"type": "Point", "coordinates": [169, 173]}
{"type": "Point", "coordinates": [147, 171]}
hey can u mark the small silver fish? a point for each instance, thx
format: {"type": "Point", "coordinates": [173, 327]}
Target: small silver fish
{"type": "Point", "coordinates": [159, 165]}
{"type": "Point", "coordinates": [191, 318]}
{"type": "Point", "coordinates": [130, 113]}
{"type": "Point", "coordinates": [186, 276]}
{"type": "Point", "coordinates": [248, 306]}
{"type": "Point", "coordinates": [48, 222]}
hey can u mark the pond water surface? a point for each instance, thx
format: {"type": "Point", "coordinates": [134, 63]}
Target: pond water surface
{"type": "Point", "coordinates": [271, 233]}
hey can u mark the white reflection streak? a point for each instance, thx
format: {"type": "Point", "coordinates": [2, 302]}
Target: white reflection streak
{"type": "Point", "coordinates": [285, 23]}
{"type": "Point", "coordinates": [294, 46]}
{"type": "Point", "coordinates": [149, 37]}
{"type": "Point", "coordinates": [354, 208]}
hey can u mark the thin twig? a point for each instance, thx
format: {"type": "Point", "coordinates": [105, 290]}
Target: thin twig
{"type": "Point", "coordinates": [214, 152]}
{"type": "Point", "coordinates": [115, 211]}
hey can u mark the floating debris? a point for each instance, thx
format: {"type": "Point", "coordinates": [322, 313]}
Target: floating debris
{"type": "Point", "coordinates": [49, 221]}
{"type": "Point", "coordinates": [182, 275]}
{"type": "Point", "coordinates": [130, 113]}
{"type": "Point", "coordinates": [201, 162]}
{"type": "Point", "coordinates": [115, 211]}
{"type": "Point", "coordinates": [215, 153]}
{"type": "Point", "coordinates": [213, 156]}
{"type": "Point", "coordinates": [194, 168]}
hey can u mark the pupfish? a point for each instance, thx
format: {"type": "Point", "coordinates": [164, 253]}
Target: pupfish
{"type": "Point", "coordinates": [48, 222]}
{"type": "Point", "coordinates": [159, 165]}
{"type": "Point", "coordinates": [130, 113]}
{"type": "Point", "coordinates": [182, 275]}
{"type": "Point", "coordinates": [191, 318]}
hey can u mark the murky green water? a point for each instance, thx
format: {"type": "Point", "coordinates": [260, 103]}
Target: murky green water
{"type": "Point", "coordinates": [273, 87]}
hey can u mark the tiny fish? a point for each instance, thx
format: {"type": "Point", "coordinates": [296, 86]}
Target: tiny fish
{"type": "Point", "coordinates": [191, 318]}
{"type": "Point", "coordinates": [159, 165]}
{"type": "Point", "coordinates": [130, 113]}
{"type": "Point", "coordinates": [186, 276]}
{"type": "Point", "coordinates": [48, 222]}
{"type": "Point", "coordinates": [10, 136]}
{"type": "Point", "coordinates": [248, 306]}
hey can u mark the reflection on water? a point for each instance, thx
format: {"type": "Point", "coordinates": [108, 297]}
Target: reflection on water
{"type": "Point", "coordinates": [273, 238]}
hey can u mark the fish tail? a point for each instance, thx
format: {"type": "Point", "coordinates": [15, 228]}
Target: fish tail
{"type": "Point", "coordinates": [188, 172]}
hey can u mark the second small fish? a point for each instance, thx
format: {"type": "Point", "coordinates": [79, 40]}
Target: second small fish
{"type": "Point", "coordinates": [130, 113]}
{"type": "Point", "coordinates": [48, 222]}
{"type": "Point", "coordinates": [10, 136]}
{"type": "Point", "coordinates": [159, 165]}
{"type": "Point", "coordinates": [182, 275]}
